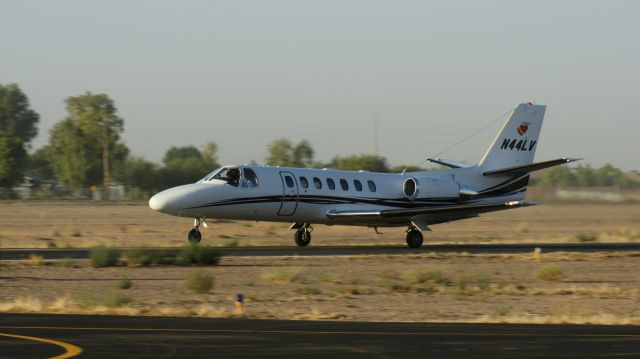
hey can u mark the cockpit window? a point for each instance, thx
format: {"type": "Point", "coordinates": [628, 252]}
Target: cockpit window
{"type": "Point", "coordinates": [210, 175]}
{"type": "Point", "coordinates": [249, 178]}
{"type": "Point", "coordinates": [229, 174]}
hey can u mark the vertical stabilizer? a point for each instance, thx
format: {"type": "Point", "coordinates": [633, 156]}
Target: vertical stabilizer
{"type": "Point", "coordinates": [516, 143]}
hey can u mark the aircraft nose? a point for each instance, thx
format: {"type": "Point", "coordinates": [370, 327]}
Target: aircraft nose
{"type": "Point", "coordinates": [158, 202]}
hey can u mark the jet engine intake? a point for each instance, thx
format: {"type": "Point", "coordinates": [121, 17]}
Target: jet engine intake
{"type": "Point", "coordinates": [410, 188]}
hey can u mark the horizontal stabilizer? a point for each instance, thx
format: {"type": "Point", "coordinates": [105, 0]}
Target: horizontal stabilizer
{"type": "Point", "coordinates": [530, 168]}
{"type": "Point", "coordinates": [449, 163]}
{"type": "Point", "coordinates": [412, 212]}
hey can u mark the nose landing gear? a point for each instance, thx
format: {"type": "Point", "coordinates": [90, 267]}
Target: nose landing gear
{"type": "Point", "coordinates": [303, 234]}
{"type": "Point", "coordinates": [414, 238]}
{"type": "Point", "coordinates": [194, 235]}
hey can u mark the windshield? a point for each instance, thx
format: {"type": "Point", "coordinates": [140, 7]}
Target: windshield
{"type": "Point", "coordinates": [210, 175]}
{"type": "Point", "coordinates": [246, 178]}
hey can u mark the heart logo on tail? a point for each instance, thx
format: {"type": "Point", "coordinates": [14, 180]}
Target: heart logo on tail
{"type": "Point", "coordinates": [523, 129]}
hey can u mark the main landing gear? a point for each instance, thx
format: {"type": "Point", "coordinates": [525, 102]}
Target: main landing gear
{"type": "Point", "coordinates": [194, 235]}
{"type": "Point", "coordinates": [414, 237]}
{"type": "Point", "coordinates": [303, 234]}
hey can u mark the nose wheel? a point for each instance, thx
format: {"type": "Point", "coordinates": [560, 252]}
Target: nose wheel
{"type": "Point", "coordinates": [414, 238]}
{"type": "Point", "coordinates": [194, 235]}
{"type": "Point", "coordinates": [303, 236]}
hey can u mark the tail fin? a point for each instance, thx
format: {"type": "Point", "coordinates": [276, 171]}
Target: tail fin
{"type": "Point", "coordinates": [516, 143]}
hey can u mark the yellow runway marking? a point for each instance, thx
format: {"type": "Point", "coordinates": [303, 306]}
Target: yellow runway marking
{"type": "Point", "coordinates": [275, 331]}
{"type": "Point", "coordinates": [70, 349]}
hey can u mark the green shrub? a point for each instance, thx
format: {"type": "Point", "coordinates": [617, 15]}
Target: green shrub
{"type": "Point", "coordinates": [109, 299]}
{"type": "Point", "coordinates": [139, 256]}
{"type": "Point", "coordinates": [102, 256]}
{"type": "Point", "coordinates": [230, 243]}
{"type": "Point", "coordinates": [550, 272]}
{"type": "Point", "coordinates": [586, 237]}
{"type": "Point", "coordinates": [199, 281]}
{"type": "Point", "coordinates": [67, 262]}
{"type": "Point", "coordinates": [124, 283]}
{"type": "Point", "coordinates": [163, 257]}
{"type": "Point", "coordinates": [194, 254]}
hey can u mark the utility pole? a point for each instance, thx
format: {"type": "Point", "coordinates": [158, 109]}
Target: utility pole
{"type": "Point", "coordinates": [105, 162]}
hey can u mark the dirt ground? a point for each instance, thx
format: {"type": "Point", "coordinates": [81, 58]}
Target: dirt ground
{"type": "Point", "coordinates": [582, 287]}
{"type": "Point", "coordinates": [85, 224]}
{"type": "Point", "coordinates": [591, 288]}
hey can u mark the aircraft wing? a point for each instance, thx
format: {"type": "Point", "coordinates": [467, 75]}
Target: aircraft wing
{"type": "Point", "coordinates": [468, 210]}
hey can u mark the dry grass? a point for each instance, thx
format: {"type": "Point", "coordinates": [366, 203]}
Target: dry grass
{"type": "Point", "coordinates": [550, 272]}
{"type": "Point", "coordinates": [71, 224]}
{"type": "Point", "coordinates": [446, 287]}
{"type": "Point", "coordinates": [281, 275]}
{"type": "Point", "coordinates": [594, 319]}
{"type": "Point", "coordinates": [35, 260]}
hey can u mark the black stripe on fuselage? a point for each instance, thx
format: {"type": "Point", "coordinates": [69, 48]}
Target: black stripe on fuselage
{"type": "Point", "coordinates": [397, 202]}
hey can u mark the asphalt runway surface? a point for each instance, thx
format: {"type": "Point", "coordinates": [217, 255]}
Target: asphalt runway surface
{"type": "Point", "coordinates": [89, 336]}
{"type": "Point", "coordinates": [83, 253]}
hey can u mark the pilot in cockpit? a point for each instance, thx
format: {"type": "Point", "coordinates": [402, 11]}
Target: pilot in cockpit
{"type": "Point", "coordinates": [233, 176]}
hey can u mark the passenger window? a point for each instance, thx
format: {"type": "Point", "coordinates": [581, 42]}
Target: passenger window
{"type": "Point", "coordinates": [289, 181]}
{"type": "Point", "coordinates": [331, 184]}
{"type": "Point", "coordinates": [317, 183]}
{"type": "Point", "coordinates": [344, 184]}
{"type": "Point", "coordinates": [372, 186]}
{"type": "Point", "coordinates": [249, 178]}
{"type": "Point", "coordinates": [357, 185]}
{"type": "Point", "coordinates": [304, 182]}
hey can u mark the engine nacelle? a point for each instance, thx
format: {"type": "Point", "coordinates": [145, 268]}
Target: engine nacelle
{"type": "Point", "coordinates": [431, 187]}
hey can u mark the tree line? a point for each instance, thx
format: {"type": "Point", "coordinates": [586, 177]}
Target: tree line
{"type": "Point", "coordinates": [584, 176]}
{"type": "Point", "coordinates": [92, 129]}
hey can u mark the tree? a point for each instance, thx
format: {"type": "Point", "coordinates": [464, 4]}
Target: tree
{"type": "Point", "coordinates": [280, 153]}
{"type": "Point", "coordinates": [17, 119]}
{"type": "Point", "coordinates": [187, 164]}
{"type": "Point", "coordinates": [365, 162]}
{"type": "Point", "coordinates": [181, 153]}
{"type": "Point", "coordinates": [406, 168]}
{"type": "Point", "coordinates": [303, 154]}
{"type": "Point", "coordinates": [76, 144]}
{"type": "Point", "coordinates": [11, 152]}
{"type": "Point", "coordinates": [139, 173]}
{"type": "Point", "coordinates": [560, 176]}
{"type": "Point", "coordinates": [17, 128]}
{"type": "Point", "coordinates": [39, 165]}
{"type": "Point", "coordinates": [283, 153]}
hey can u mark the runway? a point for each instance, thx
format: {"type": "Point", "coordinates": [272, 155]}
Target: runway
{"type": "Point", "coordinates": [83, 253]}
{"type": "Point", "coordinates": [169, 337]}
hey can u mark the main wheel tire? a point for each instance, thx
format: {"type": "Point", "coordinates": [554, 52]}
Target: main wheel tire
{"type": "Point", "coordinates": [302, 237]}
{"type": "Point", "coordinates": [414, 238]}
{"type": "Point", "coordinates": [194, 236]}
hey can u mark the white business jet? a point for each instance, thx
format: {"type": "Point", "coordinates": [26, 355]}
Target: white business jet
{"type": "Point", "coordinates": [416, 200]}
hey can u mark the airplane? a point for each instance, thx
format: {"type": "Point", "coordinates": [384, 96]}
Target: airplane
{"type": "Point", "coordinates": [416, 200]}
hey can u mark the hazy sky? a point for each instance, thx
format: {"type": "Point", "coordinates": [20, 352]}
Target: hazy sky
{"type": "Point", "coordinates": [242, 73]}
